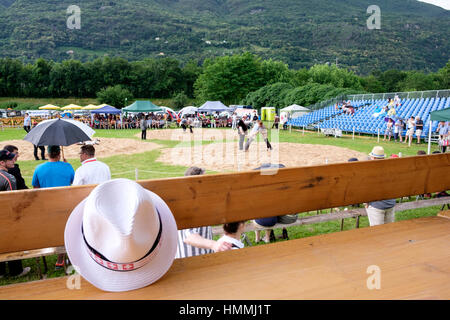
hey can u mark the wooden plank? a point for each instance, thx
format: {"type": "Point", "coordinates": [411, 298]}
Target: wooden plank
{"type": "Point", "coordinates": [34, 219]}
{"type": "Point", "coordinates": [413, 257]}
{"type": "Point", "coordinates": [218, 230]}
{"type": "Point", "coordinates": [28, 254]}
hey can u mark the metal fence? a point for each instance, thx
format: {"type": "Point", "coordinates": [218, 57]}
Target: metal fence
{"type": "Point", "coordinates": [401, 95]}
{"type": "Point", "coordinates": [383, 96]}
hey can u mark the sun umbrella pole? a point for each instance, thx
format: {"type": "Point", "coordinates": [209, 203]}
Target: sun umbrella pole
{"type": "Point", "coordinates": [62, 152]}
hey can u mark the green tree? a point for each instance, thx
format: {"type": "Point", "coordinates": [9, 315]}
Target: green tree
{"type": "Point", "coordinates": [417, 81]}
{"type": "Point", "coordinates": [114, 96]}
{"type": "Point", "coordinates": [180, 100]}
{"type": "Point", "coordinates": [272, 95]}
{"type": "Point", "coordinates": [229, 79]}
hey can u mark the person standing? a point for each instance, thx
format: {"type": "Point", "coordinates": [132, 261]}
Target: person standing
{"type": "Point", "coordinates": [443, 131]}
{"type": "Point", "coordinates": [409, 133]}
{"type": "Point", "coordinates": [419, 128]}
{"type": "Point", "coordinates": [198, 241]}
{"type": "Point", "coordinates": [8, 183]}
{"type": "Point", "coordinates": [15, 171]}
{"type": "Point", "coordinates": [276, 122]}
{"type": "Point", "coordinates": [382, 211]}
{"type": "Point", "coordinates": [234, 121]}
{"type": "Point", "coordinates": [143, 125]}
{"type": "Point", "coordinates": [398, 130]}
{"type": "Point", "coordinates": [35, 152]}
{"type": "Point", "coordinates": [242, 131]}
{"type": "Point", "coordinates": [54, 173]}
{"type": "Point", "coordinates": [92, 171]}
{"type": "Point", "coordinates": [27, 123]}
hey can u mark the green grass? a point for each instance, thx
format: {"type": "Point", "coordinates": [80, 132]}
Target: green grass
{"type": "Point", "coordinates": [363, 143]}
{"type": "Point", "coordinates": [124, 165]}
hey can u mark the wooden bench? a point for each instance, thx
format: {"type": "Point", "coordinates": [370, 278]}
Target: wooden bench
{"type": "Point", "coordinates": [320, 267]}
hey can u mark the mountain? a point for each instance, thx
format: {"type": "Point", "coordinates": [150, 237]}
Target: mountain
{"type": "Point", "coordinates": [413, 35]}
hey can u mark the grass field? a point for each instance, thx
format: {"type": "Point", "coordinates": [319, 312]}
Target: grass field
{"type": "Point", "coordinates": [124, 166]}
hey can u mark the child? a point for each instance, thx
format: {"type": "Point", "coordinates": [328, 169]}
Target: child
{"type": "Point", "coordinates": [233, 232]}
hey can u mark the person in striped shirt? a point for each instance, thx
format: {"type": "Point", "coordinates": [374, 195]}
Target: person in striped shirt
{"type": "Point", "coordinates": [198, 241]}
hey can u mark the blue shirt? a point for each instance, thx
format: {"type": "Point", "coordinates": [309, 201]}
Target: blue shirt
{"type": "Point", "coordinates": [53, 174]}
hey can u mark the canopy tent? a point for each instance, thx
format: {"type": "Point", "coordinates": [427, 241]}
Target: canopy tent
{"type": "Point", "coordinates": [107, 109]}
{"type": "Point", "coordinates": [293, 111]}
{"type": "Point", "coordinates": [213, 106]}
{"type": "Point", "coordinates": [294, 108]}
{"type": "Point", "coordinates": [142, 106]}
{"type": "Point", "coordinates": [438, 115]}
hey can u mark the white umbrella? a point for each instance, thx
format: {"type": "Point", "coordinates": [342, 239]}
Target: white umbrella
{"type": "Point", "coordinates": [187, 110]}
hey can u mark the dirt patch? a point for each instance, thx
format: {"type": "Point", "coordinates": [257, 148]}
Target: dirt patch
{"type": "Point", "coordinates": [226, 157]}
{"type": "Point", "coordinates": [107, 147]}
{"type": "Point", "coordinates": [199, 134]}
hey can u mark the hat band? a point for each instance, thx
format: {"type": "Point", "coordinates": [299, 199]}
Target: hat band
{"type": "Point", "coordinates": [130, 266]}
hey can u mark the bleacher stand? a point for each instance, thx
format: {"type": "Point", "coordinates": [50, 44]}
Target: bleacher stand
{"type": "Point", "coordinates": [364, 121]}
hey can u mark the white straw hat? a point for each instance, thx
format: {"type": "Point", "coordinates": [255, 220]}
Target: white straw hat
{"type": "Point", "coordinates": [121, 237]}
{"type": "Point", "coordinates": [377, 152]}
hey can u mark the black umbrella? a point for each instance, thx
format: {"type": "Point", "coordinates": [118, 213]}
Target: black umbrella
{"type": "Point", "coordinates": [56, 133]}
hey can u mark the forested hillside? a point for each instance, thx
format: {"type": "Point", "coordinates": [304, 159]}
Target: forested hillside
{"type": "Point", "coordinates": [301, 33]}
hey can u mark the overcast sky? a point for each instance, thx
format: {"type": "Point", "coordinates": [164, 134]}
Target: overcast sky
{"type": "Point", "coordinates": [441, 3]}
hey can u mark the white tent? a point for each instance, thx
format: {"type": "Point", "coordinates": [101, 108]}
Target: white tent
{"type": "Point", "coordinates": [187, 110]}
{"type": "Point", "coordinates": [213, 106]}
{"type": "Point", "coordinates": [295, 110]}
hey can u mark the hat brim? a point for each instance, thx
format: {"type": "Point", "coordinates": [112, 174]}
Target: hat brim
{"type": "Point", "coordinates": [377, 156]}
{"type": "Point", "coordinates": [117, 281]}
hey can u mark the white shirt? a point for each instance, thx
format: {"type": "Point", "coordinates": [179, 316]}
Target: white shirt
{"type": "Point", "coordinates": [91, 171]}
{"type": "Point", "coordinates": [236, 244]}
{"type": "Point", "coordinates": [27, 121]}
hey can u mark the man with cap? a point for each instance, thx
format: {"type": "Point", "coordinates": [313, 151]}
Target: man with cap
{"type": "Point", "coordinates": [382, 211]}
{"type": "Point", "coordinates": [8, 183]}
{"type": "Point", "coordinates": [15, 170]}
{"type": "Point", "coordinates": [92, 171]}
{"type": "Point", "coordinates": [7, 180]}
{"type": "Point", "coordinates": [198, 241]}
{"type": "Point", "coordinates": [54, 173]}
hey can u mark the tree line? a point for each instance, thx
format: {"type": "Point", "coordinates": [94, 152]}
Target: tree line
{"type": "Point", "coordinates": [237, 79]}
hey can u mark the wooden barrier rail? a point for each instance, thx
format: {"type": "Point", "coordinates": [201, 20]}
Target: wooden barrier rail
{"type": "Point", "coordinates": [34, 219]}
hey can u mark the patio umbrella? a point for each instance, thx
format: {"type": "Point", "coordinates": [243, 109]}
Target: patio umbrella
{"type": "Point", "coordinates": [72, 107]}
{"type": "Point", "coordinates": [91, 107]}
{"type": "Point", "coordinates": [59, 132]}
{"type": "Point", "coordinates": [49, 107]}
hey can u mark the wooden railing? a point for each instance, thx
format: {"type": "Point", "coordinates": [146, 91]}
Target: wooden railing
{"type": "Point", "coordinates": [34, 219]}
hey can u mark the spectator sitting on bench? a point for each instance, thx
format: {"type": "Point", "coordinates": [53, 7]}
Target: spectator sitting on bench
{"type": "Point", "coordinates": [233, 232]}
{"type": "Point", "coordinates": [198, 241]}
{"type": "Point", "coordinates": [271, 221]}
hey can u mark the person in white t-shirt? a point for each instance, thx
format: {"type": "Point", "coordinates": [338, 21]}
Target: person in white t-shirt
{"type": "Point", "coordinates": [232, 234]}
{"type": "Point", "coordinates": [91, 171]}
